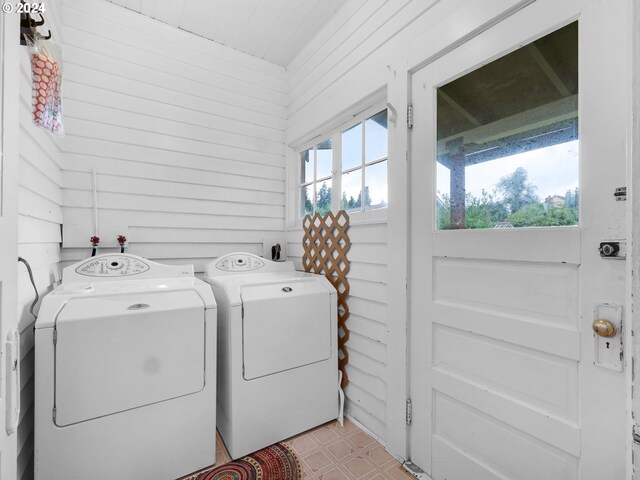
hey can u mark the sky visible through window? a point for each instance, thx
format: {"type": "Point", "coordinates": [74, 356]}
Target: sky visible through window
{"type": "Point", "coordinates": [356, 164]}
{"type": "Point", "coordinates": [376, 175]}
{"type": "Point", "coordinates": [552, 170]}
{"type": "Point", "coordinates": [537, 188]}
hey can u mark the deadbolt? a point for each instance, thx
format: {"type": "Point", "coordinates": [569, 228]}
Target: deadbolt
{"type": "Point", "coordinates": [604, 328]}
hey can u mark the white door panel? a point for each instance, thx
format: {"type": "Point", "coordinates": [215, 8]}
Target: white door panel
{"type": "Point", "coordinates": [502, 374]}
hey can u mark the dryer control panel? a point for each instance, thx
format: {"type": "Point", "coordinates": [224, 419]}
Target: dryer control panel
{"type": "Point", "coordinates": [112, 266]}
{"type": "Point", "coordinates": [239, 262]}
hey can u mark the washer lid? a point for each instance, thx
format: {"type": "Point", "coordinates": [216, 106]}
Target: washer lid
{"type": "Point", "coordinates": [119, 352]}
{"type": "Point", "coordinates": [285, 325]}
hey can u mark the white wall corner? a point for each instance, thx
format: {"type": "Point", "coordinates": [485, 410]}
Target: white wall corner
{"type": "Point", "coordinates": [398, 228]}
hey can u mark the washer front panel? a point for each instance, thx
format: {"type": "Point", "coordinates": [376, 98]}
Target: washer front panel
{"type": "Point", "coordinates": [112, 266]}
{"type": "Point", "coordinates": [118, 352]}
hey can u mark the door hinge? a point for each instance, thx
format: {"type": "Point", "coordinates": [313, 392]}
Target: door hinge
{"type": "Point", "coordinates": [408, 411]}
{"type": "Point", "coordinates": [55, 336]}
{"type": "Point", "coordinates": [54, 414]}
{"type": "Point", "coordinates": [636, 435]}
{"type": "Point", "coordinates": [620, 194]}
{"type": "Point", "coordinates": [242, 311]}
{"type": "Point", "coordinates": [409, 116]}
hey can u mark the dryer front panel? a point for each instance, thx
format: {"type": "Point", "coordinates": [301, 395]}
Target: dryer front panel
{"type": "Point", "coordinates": [285, 325]}
{"type": "Point", "coordinates": [118, 352]}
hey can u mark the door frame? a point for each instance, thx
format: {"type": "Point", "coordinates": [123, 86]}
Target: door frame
{"type": "Point", "coordinates": [557, 15]}
{"type": "Point", "coordinates": [632, 343]}
{"type": "Point", "coordinates": [9, 124]}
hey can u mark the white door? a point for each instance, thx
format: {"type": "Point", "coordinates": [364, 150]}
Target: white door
{"type": "Point", "coordinates": [502, 353]}
{"type": "Point", "coordinates": [9, 49]}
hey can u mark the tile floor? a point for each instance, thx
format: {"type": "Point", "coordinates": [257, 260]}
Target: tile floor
{"type": "Point", "coordinates": [332, 452]}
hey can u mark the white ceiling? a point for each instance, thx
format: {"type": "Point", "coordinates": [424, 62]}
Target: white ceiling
{"type": "Point", "coordinates": [274, 30]}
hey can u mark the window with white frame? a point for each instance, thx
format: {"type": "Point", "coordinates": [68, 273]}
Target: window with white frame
{"type": "Point", "coordinates": [353, 160]}
{"type": "Point", "coordinates": [316, 174]}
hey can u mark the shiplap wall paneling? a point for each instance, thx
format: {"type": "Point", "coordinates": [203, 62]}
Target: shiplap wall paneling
{"type": "Point", "coordinates": [39, 221]}
{"type": "Point", "coordinates": [186, 138]}
{"type": "Point", "coordinates": [348, 60]}
{"type": "Point", "coordinates": [368, 46]}
{"type": "Point", "coordinates": [366, 391]}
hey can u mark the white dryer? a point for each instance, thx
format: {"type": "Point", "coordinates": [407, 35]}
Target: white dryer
{"type": "Point", "coordinates": [125, 372]}
{"type": "Point", "coordinates": [277, 351]}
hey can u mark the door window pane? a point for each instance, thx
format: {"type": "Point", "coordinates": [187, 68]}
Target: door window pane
{"type": "Point", "coordinates": [507, 140]}
{"type": "Point", "coordinates": [351, 187]}
{"type": "Point", "coordinates": [323, 197]}
{"type": "Point", "coordinates": [375, 186]}
{"type": "Point", "coordinates": [376, 137]}
{"type": "Point", "coordinates": [324, 157]}
{"type": "Point", "coordinates": [352, 147]}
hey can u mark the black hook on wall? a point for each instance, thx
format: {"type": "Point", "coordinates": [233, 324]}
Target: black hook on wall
{"type": "Point", "coordinates": [28, 27]}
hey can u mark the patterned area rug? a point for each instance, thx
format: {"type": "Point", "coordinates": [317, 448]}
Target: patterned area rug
{"type": "Point", "coordinates": [277, 462]}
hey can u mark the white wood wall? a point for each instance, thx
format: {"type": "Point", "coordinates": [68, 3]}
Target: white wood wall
{"type": "Point", "coordinates": [351, 58]}
{"type": "Point", "coordinates": [366, 392]}
{"type": "Point", "coordinates": [39, 221]}
{"type": "Point", "coordinates": [369, 46]}
{"type": "Point", "coordinates": [186, 137]}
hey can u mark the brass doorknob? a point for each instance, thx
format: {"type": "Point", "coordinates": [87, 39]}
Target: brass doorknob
{"type": "Point", "coordinates": [604, 328]}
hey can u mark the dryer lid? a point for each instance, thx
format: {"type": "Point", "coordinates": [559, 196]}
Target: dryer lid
{"type": "Point", "coordinates": [119, 352]}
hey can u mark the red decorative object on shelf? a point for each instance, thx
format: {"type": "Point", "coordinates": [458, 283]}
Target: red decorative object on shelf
{"type": "Point", "coordinates": [121, 241]}
{"type": "Point", "coordinates": [95, 240]}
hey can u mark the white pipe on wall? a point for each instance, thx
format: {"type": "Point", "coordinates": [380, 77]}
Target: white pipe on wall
{"type": "Point", "coordinates": [94, 188]}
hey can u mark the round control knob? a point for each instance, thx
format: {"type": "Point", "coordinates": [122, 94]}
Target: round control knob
{"type": "Point", "coordinates": [604, 328]}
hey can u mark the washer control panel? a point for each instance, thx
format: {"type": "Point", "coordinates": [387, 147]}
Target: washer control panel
{"type": "Point", "coordinates": [239, 263]}
{"type": "Point", "coordinates": [112, 266]}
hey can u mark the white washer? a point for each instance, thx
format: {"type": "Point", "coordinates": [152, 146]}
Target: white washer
{"type": "Point", "coordinates": [125, 372]}
{"type": "Point", "coordinates": [277, 350]}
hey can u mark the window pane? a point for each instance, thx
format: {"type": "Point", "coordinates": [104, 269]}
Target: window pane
{"type": "Point", "coordinates": [376, 137]}
{"type": "Point", "coordinates": [306, 167]}
{"type": "Point", "coordinates": [351, 187]}
{"type": "Point", "coordinates": [508, 140]}
{"type": "Point", "coordinates": [324, 157]}
{"type": "Point", "coordinates": [306, 206]}
{"type": "Point", "coordinates": [352, 147]}
{"type": "Point", "coordinates": [323, 197]}
{"type": "Point", "coordinates": [375, 186]}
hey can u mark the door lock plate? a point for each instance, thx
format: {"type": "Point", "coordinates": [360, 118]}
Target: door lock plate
{"type": "Point", "coordinates": [613, 249]}
{"type": "Point", "coordinates": [607, 336]}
